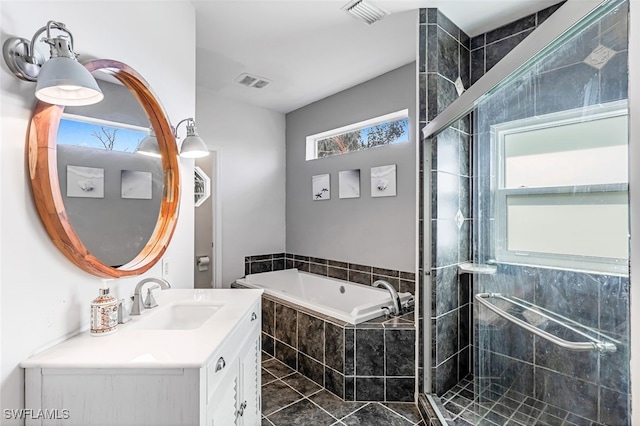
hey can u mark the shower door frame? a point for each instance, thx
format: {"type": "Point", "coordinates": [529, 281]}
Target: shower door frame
{"type": "Point", "coordinates": [572, 12]}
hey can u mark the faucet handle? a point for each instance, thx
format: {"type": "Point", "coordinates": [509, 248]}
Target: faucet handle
{"type": "Point", "coordinates": [150, 301]}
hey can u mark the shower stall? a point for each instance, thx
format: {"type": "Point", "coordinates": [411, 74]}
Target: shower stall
{"type": "Point", "coordinates": [525, 296]}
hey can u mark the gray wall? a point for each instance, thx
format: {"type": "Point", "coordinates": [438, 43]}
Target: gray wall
{"type": "Point", "coordinates": [365, 230]}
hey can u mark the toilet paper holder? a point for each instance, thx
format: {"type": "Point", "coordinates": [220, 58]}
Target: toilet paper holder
{"type": "Point", "coordinates": [203, 263]}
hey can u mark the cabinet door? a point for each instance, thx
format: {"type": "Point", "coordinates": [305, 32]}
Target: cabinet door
{"type": "Point", "coordinates": [250, 382]}
{"type": "Point", "coordinates": [223, 405]}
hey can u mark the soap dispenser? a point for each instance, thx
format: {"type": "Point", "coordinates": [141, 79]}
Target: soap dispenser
{"type": "Point", "coordinates": [104, 314]}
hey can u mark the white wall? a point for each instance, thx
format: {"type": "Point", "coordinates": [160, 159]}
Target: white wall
{"type": "Point", "coordinates": [44, 296]}
{"type": "Point", "coordinates": [252, 177]}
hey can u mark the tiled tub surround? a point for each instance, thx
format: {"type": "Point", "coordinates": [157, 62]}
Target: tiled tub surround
{"type": "Point", "coordinates": [372, 361]}
{"type": "Point", "coordinates": [403, 282]}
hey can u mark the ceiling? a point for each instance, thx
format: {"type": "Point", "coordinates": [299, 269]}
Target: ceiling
{"type": "Point", "coordinates": [311, 49]}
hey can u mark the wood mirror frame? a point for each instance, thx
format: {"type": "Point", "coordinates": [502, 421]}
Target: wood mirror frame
{"type": "Point", "coordinates": [43, 171]}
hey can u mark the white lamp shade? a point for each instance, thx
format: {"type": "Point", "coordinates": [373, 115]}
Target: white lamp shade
{"type": "Point", "coordinates": [64, 81]}
{"type": "Point", "coordinates": [193, 147]}
{"type": "Point", "coordinates": [149, 146]}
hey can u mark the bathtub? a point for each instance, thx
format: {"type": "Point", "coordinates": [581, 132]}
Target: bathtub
{"type": "Point", "coordinates": [343, 300]}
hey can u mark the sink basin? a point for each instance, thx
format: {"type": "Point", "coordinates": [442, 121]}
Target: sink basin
{"type": "Point", "coordinates": [187, 316]}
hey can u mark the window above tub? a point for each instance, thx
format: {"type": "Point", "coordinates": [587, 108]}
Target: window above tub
{"type": "Point", "coordinates": [387, 129]}
{"type": "Point", "coordinates": [562, 190]}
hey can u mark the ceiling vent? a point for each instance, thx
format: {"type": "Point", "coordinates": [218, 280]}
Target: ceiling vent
{"type": "Point", "coordinates": [364, 11]}
{"type": "Point", "coordinates": [252, 81]}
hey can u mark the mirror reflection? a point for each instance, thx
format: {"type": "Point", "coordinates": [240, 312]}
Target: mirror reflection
{"type": "Point", "coordinates": [112, 194]}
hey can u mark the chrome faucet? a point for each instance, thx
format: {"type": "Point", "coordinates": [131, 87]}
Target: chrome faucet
{"type": "Point", "coordinates": [394, 295]}
{"type": "Point", "coordinates": [150, 302]}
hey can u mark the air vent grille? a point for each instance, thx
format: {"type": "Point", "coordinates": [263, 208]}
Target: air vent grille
{"type": "Point", "coordinates": [252, 81]}
{"type": "Point", "coordinates": [365, 11]}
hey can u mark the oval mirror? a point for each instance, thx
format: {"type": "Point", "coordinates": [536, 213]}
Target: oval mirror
{"type": "Point", "coordinates": [109, 209]}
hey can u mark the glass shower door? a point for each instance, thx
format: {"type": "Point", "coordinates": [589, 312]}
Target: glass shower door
{"type": "Point", "coordinates": [551, 228]}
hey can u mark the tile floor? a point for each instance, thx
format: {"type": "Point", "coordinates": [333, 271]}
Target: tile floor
{"type": "Point", "coordinates": [288, 398]}
{"type": "Point", "coordinates": [507, 407]}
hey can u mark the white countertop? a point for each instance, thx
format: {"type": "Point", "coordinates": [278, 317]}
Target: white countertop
{"type": "Point", "coordinates": [130, 347]}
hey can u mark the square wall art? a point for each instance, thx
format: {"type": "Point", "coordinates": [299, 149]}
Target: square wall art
{"type": "Point", "coordinates": [85, 182]}
{"type": "Point", "coordinates": [349, 184]}
{"type": "Point", "coordinates": [136, 185]}
{"type": "Point", "coordinates": [383, 181]}
{"type": "Point", "coordinates": [321, 188]}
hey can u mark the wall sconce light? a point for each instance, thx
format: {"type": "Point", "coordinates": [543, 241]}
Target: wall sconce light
{"type": "Point", "coordinates": [149, 146]}
{"type": "Point", "coordinates": [61, 80]}
{"type": "Point", "coordinates": [192, 146]}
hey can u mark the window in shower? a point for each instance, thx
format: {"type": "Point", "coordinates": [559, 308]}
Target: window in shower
{"type": "Point", "coordinates": [378, 131]}
{"type": "Point", "coordinates": [562, 182]}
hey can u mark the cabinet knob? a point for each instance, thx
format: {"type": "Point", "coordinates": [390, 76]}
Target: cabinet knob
{"type": "Point", "coordinates": [220, 364]}
{"type": "Point", "coordinates": [254, 316]}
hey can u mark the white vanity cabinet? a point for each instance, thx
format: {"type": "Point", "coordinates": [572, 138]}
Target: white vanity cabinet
{"type": "Point", "coordinates": [224, 390]}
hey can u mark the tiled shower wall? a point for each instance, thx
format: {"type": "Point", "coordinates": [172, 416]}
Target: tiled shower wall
{"type": "Point", "coordinates": [445, 54]}
{"type": "Point", "coordinates": [591, 385]}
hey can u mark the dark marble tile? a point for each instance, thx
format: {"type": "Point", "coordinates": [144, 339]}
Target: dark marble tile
{"type": "Point", "coordinates": [286, 354]}
{"type": "Point", "coordinates": [349, 351]}
{"type": "Point", "coordinates": [407, 410]}
{"type": "Point", "coordinates": [375, 414]}
{"type": "Point", "coordinates": [614, 305]}
{"type": "Point", "coordinates": [407, 287]}
{"type": "Point", "coordinates": [267, 377]}
{"type": "Point", "coordinates": [614, 407]}
{"type": "Point", "coordinates": [361, 268]}
{"type": "Point", "coordinates": [476, 42]}
{"type": "Point", "coordinates": [567, 393]}
{"type": "Point", "coordinates": [445, 281]}
{"type": "Point", "coordinates": [247, 268]}
{"type": "Point", "coordinates": [288, 264]}
{"type": "Point", "coordinates": [318, 260]}
{"type": "Point", "coordinates": [446, 24]}
{"type": "Point", "coordinates": [300, 265]}
{"type": "Point", "coordinates": [302, 413]}
{"type": "Point", "coordinates": [432, 15]}
{"type": "Point", "coordinates": [338, 264]}
{"type": "Point", "coordinates": [447, 337]}
{"type": "Point", "coordinates": [614, 28]}
{"type": "Point", "coordinates": [360, 277]}
{"type": "Point", "coordinates": [400, 352]}
{"type": "Point", "coordinates": [334, 382]}
{"type": "Point", "coordinates": [300, 257]}
{"type": "Point", "coordinates": [522, 24]}
{"type": "Point", "coordinates": [286, 325]}
{"type": "Point", "coordinates": [385, 272]}
{"type": "Point", "coordinates": [277, 368]}
{"type": "Point", "coordinates": [543, 14]}
{"type": "Point", "coordinates": [334, 405]}
{"type": "Point", "coordinates": [567, 88]}
{"type": "Point", "coordinates": [400, 389]}
{"type": "Point", "coordinates": [422, 97]}
{"type": "Point", "coordinates": [261, 266]}
{"type": "Point", "coordinates": [334, 347]}
{"type": "Point", "coordinates": [301, 384]}
{"type": "Point", "coordinates": [448, 55]}
{"type": "Point", "coordinates": [311, 368]}
{"type": "Point", "coordinates": [369, 352]}
{"type": "Point", "coordinates": [447, 93]}
{"type": "Point", "coordinates": [422, 48]}
{"type": "Point", "coordinates": [260, 257]}
{"type": "Point", "coordinates": [411, 276]}
{"type": "Point", "coordinates": [614, 369]}
{"type": "Point", "coordinates": [445, 376]}
{"type": "Point", "coordinates": [268, 344]}
{"type": "Point", "coordinates": [446, 242]}
{"type": "Point", "coordinates": [268, 316]}
{"type": "Point", "coordinates": [311, 336]}
{"type": "Point", "coordinates": [581, 365]}
{"type": "Point", "coordinates": [276, 395]}
{"type": "Point", "coordinates": [265, 422]}
{"type": "Point", "coordinates": [614, 79]}
{"type": "Point", "coordinates": [369, 388]}
{"type": "Point", "coordinates": [432, 48]}
{"type": "Point", "coordinates": [465, 363]}
{"type": "Point", "coordinates": [339, 273]}
{"type": "Point", "coordinates": [318, 269]}
{"type": "Point", "coordinates": [498, 50]}
{"type": "Point", "coordinates": [432, 96]}
{"type": "Point", "coordinates": [465, 67]}
{"type": "Point", "coordinates": [278, 264]}
{"type": "Point", "coordinates": [349, 388]}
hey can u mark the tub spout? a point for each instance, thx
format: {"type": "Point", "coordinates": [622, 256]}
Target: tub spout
{"type": "Point", "coordinates": [393, 293]}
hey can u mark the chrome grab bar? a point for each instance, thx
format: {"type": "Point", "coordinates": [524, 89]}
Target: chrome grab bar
{"type": "Point", "coordinates": [593, 345]}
